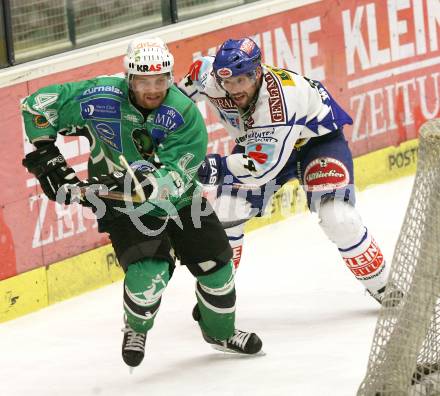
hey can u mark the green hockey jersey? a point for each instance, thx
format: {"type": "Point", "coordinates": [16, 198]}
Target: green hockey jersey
{"type": "Point", "coordinates": [172, 137]}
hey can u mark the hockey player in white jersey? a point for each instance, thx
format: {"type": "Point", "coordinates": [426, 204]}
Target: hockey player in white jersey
{"type": "Point", "coordinates": [285, 126]}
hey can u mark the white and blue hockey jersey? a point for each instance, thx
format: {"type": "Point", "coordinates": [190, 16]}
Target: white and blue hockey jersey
{"type": "Point", "coordinates": [290, 110]}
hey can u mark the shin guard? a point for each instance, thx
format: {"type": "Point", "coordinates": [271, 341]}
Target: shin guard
{"type": "Point", "coordinates": [343, 225]}
{"type": "Point", "coordinates": [144, 284]}
{"type": "Point", "coordinates": [216, 302]}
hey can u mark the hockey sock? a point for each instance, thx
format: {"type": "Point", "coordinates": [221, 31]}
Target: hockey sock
{"type": "Point", "coordinates": [343, 225]}
{"type": "Point", "coordinates": [365, 260]}
{"type": "Point", "coordinates": [144, 284]}
{"type": "Point", "coordinates": [235, 235]}
{"type": "Point", "coordinates": [216, 301]}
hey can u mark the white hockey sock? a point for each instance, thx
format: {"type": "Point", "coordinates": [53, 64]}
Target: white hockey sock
{"type": "Point", "coordinates": [365, 260]}
{"type": "Point", "coordinates": [343, 226]}
{"type": "Point", "coordinates": [235, 236]}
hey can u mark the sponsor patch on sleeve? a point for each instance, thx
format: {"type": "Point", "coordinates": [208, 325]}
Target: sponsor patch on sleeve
{"type": "Point", "coordinates": [40, 121]}
{"type": "Point", "coordinates": [168, 118]}
{"type": "Point", "coordinates": [284, 76]}
{"type": "Point", "coordinates": [325, 173]}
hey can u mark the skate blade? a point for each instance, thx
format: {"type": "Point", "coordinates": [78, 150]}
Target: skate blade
{"type": "Point", "coordinates": [223, 349]}
{"type": "Point", "coordinates": [130, 370]}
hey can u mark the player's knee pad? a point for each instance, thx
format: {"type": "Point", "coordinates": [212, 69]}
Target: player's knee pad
{"type": "Point", "coordinates": [144, 284]}
{"type": "Point", "coordinates": [216, 302]}
{"type": "Point", "coordinates": [341, 222]}
{"type": "Point", "coordinates": [218, 279]}
{"type": "Point", "coordinates": [208, 267]}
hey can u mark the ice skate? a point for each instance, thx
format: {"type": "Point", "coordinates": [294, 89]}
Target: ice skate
{"type": "Point", "coordinates": [240, 342]}
{"type": "Point", "coordinates": [133, 346]}
{"type": "Point", "coordinates": [394, 296]}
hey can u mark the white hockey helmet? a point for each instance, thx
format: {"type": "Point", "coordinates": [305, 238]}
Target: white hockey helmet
{"type": "Point", "coordinates": [148, 56]}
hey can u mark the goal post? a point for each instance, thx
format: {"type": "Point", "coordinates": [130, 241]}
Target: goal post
{"type": "Point", "coordinates": [405, 354]}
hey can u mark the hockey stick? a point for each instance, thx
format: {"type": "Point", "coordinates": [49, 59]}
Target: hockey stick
{"type": "Point", "coordinates": [137, 197]}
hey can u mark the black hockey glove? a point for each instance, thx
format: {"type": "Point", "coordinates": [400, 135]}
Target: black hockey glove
{"type": "Point", "coordinates": [50, 168]}
{"type": "Point", "coordinates": [112, 186]}
{"type": "Point", "coordinates": [210, 171]}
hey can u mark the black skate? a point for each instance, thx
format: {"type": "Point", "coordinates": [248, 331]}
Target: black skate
{"type": "Point", "coordinates": [393, 296]}
{"type": "Point", "coordinates": [133, 346]}
{"type": "Point", "coordinates": [240, 342]}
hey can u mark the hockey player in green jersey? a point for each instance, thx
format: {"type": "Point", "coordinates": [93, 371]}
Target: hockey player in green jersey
{"type": "Point", "coordinates": [161, 133]}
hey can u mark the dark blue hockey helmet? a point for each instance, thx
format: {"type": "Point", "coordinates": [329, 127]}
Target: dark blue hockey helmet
{"type": "Point", "coordinates": [236, 57]}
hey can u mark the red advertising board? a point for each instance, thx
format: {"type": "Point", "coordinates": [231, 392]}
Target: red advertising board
{"type": "Point", "coordinates": [379, 59]}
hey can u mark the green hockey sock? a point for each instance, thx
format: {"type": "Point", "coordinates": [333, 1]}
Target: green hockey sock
{"type": "Point", "coordinates": [144, 284]}
{"type": "Point", "coordinates": [216, 301]}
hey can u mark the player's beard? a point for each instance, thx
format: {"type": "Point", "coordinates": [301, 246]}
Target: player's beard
{"type": "Point", "coordinates": [241, 99]}
{"type": "Point", "coordinates": [149, 100]}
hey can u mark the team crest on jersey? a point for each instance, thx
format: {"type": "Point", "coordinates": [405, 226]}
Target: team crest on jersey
{"type": "Point", "coordinates": [109, 133]}
{"type": "Point", "coordinates": [261, 153]}
{"type": "Point", "coordinates": [324, 174]}
{"type": "Point", "coordinates": [40, 121]}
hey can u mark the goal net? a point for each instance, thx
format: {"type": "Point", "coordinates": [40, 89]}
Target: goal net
{"type": "Point", "coordinates": [405, 354]}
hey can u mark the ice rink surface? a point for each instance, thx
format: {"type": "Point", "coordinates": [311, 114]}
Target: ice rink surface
{"type": "Point", "coordinates": [293, 289]}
